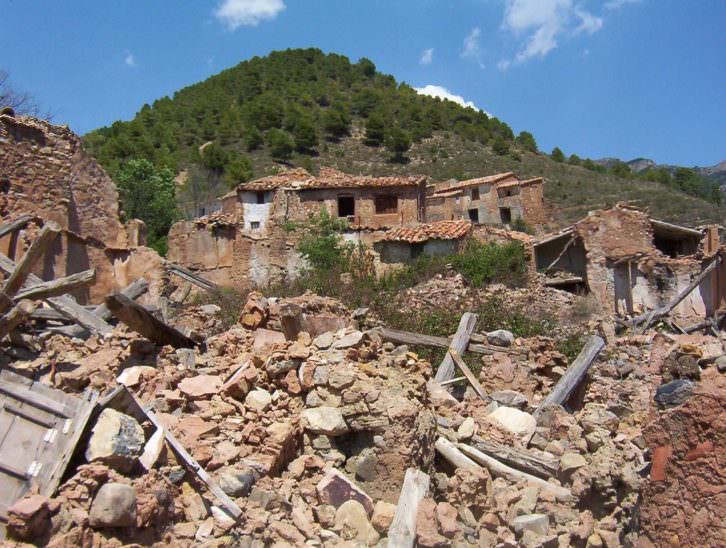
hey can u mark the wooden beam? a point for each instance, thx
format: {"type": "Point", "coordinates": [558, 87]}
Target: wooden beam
{"type": "Point", "coordinates": [17, 224]}
{"type": "Point", "coordinates": [654, 315]}
{"type": "Point", "coordinates": [65, 304]}
{"type": "Point", "coordinates": [17, 315]}
{"type": "Point", "coordinates": [57, 287]}
{"type": "Point", "coordinates": [461, 364]}
{"type": "Point", "coordinates": [192, 278]}
{"type": "Point", "coordinates": [499, 469]}
{"type": "Point", "coordinates": [406, 337]}
{"type": "Point", "coordinates": [458, 344]}
{"type": "Point", "coordinates": [452, 381]}
{"type": "Point", "coordinates": [573, 376]}
{"type": "Point", "coordinates": [562, 254]}
{"type": "Point", "coordinates": [449, 451]}
{"type": "Point", "coordinates": [521, 459]}
{"type": "Point", "coordinates": [402, 532]}
{"type": "Point", "coordinates": [140, 320]}
{"type": "Point", "coordinates": [22, 269]}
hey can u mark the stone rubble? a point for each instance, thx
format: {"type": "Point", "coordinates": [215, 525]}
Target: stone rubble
{"type": "Point", "coordinates": [311, 438]}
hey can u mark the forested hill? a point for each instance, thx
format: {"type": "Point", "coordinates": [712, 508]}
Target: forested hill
{"type": "Point", "coordinates": [308, 108]}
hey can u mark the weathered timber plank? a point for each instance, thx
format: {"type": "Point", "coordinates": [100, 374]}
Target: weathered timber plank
{"type": "Point", "coordinates": [402, 532]}
{"type": "Point", "coordinates": [449, 451]}
{"type": "Point", "coordinates": [192, 278]}
{"type": "Point", "coordinates": [461, 364]}
{"type": "Point", "coordinates": [477, 342]}
{"type": "Point", "coordinates": [57, 287]}
{"type": "Point", "coordinates": [574, 374]}
{"type": "Point", "coordinates": [140, 320]}
{"type": "Point", "coordinates": [458, 344]}
{"type": "Point", "coordinates": [518, 458]}
{"type": "Point", "coordinates": [17, 224]}
{"type": "Point", "coordinates": [17, 315]}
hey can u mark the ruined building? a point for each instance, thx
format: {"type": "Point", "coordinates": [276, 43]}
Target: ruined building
{"type": "Point", "coordinates": [45, 173]}
{"type": "Point", "coordinates": [253, 239]}
{"type": "Point", "coordinates": [633, 263]}
{"type": "Point", "coordinates": [495, 199]}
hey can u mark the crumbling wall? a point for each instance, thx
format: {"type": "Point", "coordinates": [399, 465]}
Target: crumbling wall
{"type": "Point", "coordinates": [45, 172]}
{"type": "Point", "coordinates": [532, 200]}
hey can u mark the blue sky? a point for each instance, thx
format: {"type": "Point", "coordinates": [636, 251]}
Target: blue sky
{"type": "Point", "coordinates": [621, 78]}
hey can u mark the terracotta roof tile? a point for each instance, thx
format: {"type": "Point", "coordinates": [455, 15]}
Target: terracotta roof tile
{"type": "Point", "coordinates": [440, 230]}
{"type": "Point", "coordinates": [479, 181]}
{"type": "Point", "coordinates": [532, 181]}
{"type": "Point", "coordinates": [299, 179]}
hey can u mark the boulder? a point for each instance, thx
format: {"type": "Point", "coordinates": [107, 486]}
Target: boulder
{"type": "Point", "coordinates": [116, 440]}
{"type": "Point", "coordinates": [324, 420]}
{"type": "Point", "coordinates": [383, 513]}
{"type": "Point", "coordinates": [596, 417]}
{"type": "Point", "coordinates": [515, 421]}
{"type": "Point", "coordinates": [674, 393]}
{"type": "Point", "coordinates": [510, 398]}
{"type": "Point", "coordinates": [500, 337]}
{"type": "Point", "coordinates": [200, 386]}
{"type": "Point", "coordinates": [237, 482]}
{"type": "Point", "coordinates": [351, 523]}
{"type": "Point", "coordinates": [29, 518]}
{"type": "Point", "coordinates": [113, 506]}
{"type": "Point", "coordinates": [255, 312]}
{"type": "Point", "coordinates": [324, 341]}
{"type": "Point", "coordinates": [351, 340]}
{"type": "Point", "coordinates": [265, 339]}
{"type": "Point", "coordinates": [259, 400]}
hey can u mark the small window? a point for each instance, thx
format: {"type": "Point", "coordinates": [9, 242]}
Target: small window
{"type": "Point", "coordinates": [254, 225]}
{"type": "Point", "coordinates": [506, 214]}
{"type": "Point", "coordinates": [474, 193]}
{"type": "Point", "coordinates": [346, 206]}
{"type": "Point", "coordinates": [474, 215]}
{"type": "Point", "coordinates": [260, 197]}
{"type": "Point", "coordinates": [386, 204]}
{"type": "Point", "coordinates": [202, 212]}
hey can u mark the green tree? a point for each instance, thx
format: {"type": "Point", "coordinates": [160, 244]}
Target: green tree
{"type": "Point", "coordinates": [500, 146]}
{"type": "Point", "coordinates": [375, 130]}
{"type": "Point", "coordinates": [238, 170]}
{"type": "Point", "coordinates": [281, 144]}
{"type": "Point", "coordinates": [557, 155]}
{"type": "Point", "coordinates": [398, 142]}
{"type": "Point", "coordinates": [321, 244]}
{"type": "Point", "coordinates": [214, 158]}
{"type": "Point", "coordinates": [252, 138]}
{"type": "Point", "coordinates": [306, 138]}
{"type": "Point", "coordinates": [621, 169]}
{"type": "Point", "coordinates": [335, 123]}
{"type": "Point", "coordinates": [526, 140]}
{"type": "Point", "coordinates": [148, 193]}
{"type": "Point", "coordinates": [574, 160]}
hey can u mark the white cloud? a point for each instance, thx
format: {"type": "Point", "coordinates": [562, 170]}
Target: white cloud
{"type": "Point", "coordinates": [427, 56]}
{"type": "Point", "coordinates": [129, 59]}
{"type": "Point", "coordinates": [542, 22]}
{"type": "Point", "coordinates": [443, 93]}
{"type": "Point", "coordinates": [236, 13]}
{"type": "Point", "coordinates": [617, 4]}
{"type": "Point", "coordinates": [471, 48]}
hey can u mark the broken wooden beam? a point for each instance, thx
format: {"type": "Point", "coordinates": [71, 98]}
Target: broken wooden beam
{"type": "Point", "coordinates": [64, 304]}
{"type": "Point", "coordinates": [522, 459]}
{"type": "Point", "coordinates": [22, 269]}
{"type": "Point", "coordinates": [141, 320]}
{"type": "Point", "coordinates": [449, 451]}
{"type": "Point", "coordinates": [57, 287]}
{"type": "Point", "coordinates": [477, 342]}
{"type": "Point", "coordinates": [459, 344]}
{"type": "Point", "coordinates": [461, 364]}
{"type": "Point", "coordinates": [573, 376]}
{"type": "Point", "coordinates": [194, 279]}
{"type": "Point", "coordinates": [499, 469]}
{"type": "Point", "coordinates": [17, 315]}
{"type": "Point", "coordinates": [402, 532]}
{"type": "Point", "coordinates": [17, 224]}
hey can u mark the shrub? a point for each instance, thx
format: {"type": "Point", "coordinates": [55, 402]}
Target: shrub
{"type": "Point", "coordinates": [321, 245]}
{"type": "Point", "coordinates": [521, 225]}
{"type": "Point", "coordinates": [488, 263]}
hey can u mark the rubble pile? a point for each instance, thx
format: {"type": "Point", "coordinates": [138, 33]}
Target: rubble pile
{"type": "Point", "coordinates": [308, 426]}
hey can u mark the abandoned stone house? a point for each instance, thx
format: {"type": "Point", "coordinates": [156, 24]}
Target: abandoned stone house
{"type": "Point", "coordinates": [46, 174]}
{"type": "Point", "coordinates": [495, 199]}
{"type": "Point", "coordinates": [633, 263]}
{"type": "Point", "coordinates": [437, 239]}
{"type": "Point", "coordinates": [252, 240]}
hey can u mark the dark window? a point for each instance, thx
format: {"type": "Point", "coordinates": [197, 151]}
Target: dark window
{"type": "Point", "coordinates": [386, 204]}
{"type": "Point", "coordinates": [506, 214]}
{"type": "Point", "coordinates": [254, 225]}
{"type": "Point", "coordinates": [202, 211]}
{"type": "Point", "coordinates": [474, 215]}
{"type": "Point", "coordinates": [474, 193]}
{"type": "Point", "coordinates": [5, 186]}
{"type": "Point", "coordinates": [346, 206]}
{"type": "Point", "coordinates": [260, 197]}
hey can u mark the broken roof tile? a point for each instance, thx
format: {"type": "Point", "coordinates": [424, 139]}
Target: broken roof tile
{"type": "Point", "coordinates": [440, 230]}
{"type": "Point", "coordinates": [299, 179]}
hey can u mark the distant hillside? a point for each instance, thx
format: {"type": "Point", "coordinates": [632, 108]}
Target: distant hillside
{"type": "Point", "coordinates": [306, 108]}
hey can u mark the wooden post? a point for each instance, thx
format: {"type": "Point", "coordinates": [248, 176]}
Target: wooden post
{"type": "Point", "coordinates": [469, 375]}
{"type": "Point", "coordinates": [17, 315]}
{"type": "Point", "coordinates": [458, 344]}
{"type": "Point", "coordinates": [449, 451]}
{"type": "Point", "coordinates": [574, 374]}
{"type": "Point", "coordinates": [21, 271]}
{"type": "Point", "coordinates": [140, 320]}
{"type": "Point", "coordinates": [59, 286]}
{"type": "Point", "coordinates": [499, 469]}
{"type": "Point", "coordinates": [17, 224]}
{"type": "Point", "coordinates": [402, 532]}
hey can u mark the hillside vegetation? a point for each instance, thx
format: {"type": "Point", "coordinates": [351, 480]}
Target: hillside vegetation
{"type": "Point", "coordinates": [307, 108]}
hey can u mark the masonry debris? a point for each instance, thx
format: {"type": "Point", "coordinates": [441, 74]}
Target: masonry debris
{"type": "Point", "coordinates": [147, 419]}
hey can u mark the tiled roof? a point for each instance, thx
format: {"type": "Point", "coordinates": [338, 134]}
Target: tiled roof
{"type": "Point", "coordinates": [440, 230]}
{"type": "Point", "coordinates": [532, 181]}
{"type": "Point", "coordinates": [478, 181]}
{"type": "Point", "coordinates": [299, 179]}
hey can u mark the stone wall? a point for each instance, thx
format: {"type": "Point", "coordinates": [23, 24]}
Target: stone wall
{"type": "Point", "coordinates": [44, 172]}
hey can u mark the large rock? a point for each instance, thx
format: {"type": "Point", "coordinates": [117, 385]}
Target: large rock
{"type": "Point", "coordinates": [427, 533]}
{"type": "Point", "coordinates": [335, 489]}
{"type": "Point", "coordinates": [351, 523]}
{"type": "Point", "coordinates": [500, 337]}
{"type": "Point", "coordinates": [116, 440]}
{"type": "Point", "coordinates": [537, 523]}
{"type": "Point", "coordinates": [255, 312]}
{"type": "Point", "coordinates": [237, 482]}
{"type": "Point", "coordinates": [324, 420]}
{"type": "Point", "coordinates": [201, 386]}
{"type": "Point", "coordinates": [595, 417]}
{"type": "Point", "coordinates": [569, 462]}
{"type": "Point", "coordinates": [351, 340]}
{"type": "Point", "coordinates": [113, 506]}
{"type": "Point", "coordinates": [131, 376]}
{"type": "Point", "coordinates": [29, 518]}
{"type": "Point", "coordinates": [515, 421]}
{"type": "Point", "coordinates": [383, 513]}
{"type": "Point", "coordinates": [259, 400]}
